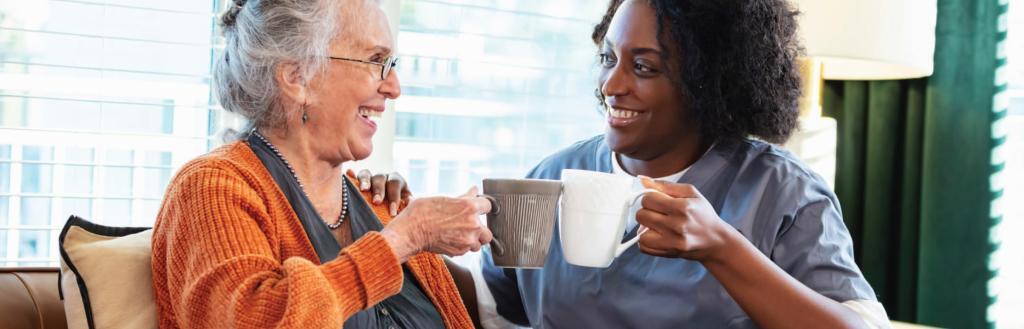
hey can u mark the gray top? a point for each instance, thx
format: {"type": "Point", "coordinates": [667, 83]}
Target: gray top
{"type": "Point", "coordinates": [410, 308]}
{"type": "Point", "coordinates": [783, 208]}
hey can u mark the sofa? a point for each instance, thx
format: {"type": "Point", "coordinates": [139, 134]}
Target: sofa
{"type": "Point", "coordinates": [29, 298]}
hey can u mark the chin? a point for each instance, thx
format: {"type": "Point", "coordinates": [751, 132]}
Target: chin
{"type": "Point", "coordinates": [619, 142]}
{"type": "Point", "coordinates": [360, 149]}
{"type": "Point", "coordinates": [361, 154]}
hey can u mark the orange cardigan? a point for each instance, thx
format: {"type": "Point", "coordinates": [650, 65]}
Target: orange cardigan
{"type": "Point", "coordinates": [229, 252]}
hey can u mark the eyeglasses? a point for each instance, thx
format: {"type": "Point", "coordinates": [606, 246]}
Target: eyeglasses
{"type": "Point", "coordinates": [385, 67]}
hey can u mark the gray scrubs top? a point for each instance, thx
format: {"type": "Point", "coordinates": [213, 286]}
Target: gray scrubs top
{"type": "Point", "coordinates": [774, 200]}
{"type": "Point", "coordinates": [410, 308]}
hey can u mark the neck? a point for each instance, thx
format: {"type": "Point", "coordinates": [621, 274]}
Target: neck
{"type": "Point", "coordinates": [669, 161]}
{"type": "Point", "coordinates": [318, 176]}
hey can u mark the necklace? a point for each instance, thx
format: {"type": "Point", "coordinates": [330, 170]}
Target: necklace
{"type": "Point", "coordinates": [344, 189]}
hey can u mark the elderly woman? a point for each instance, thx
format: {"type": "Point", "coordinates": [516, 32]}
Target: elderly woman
{"type": "Point", "coordinates": [745, 235]}
{"type": "Point", "coordinates": [266, 231]}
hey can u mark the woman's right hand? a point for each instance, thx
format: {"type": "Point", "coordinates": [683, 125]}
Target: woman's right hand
{"type": "Point", "coordinates": [443, 225]}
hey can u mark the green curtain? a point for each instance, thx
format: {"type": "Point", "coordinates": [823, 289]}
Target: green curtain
{"type": "Point", "coordinates": [913, 172]}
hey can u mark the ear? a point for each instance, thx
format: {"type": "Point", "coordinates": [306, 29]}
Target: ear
{"type": "Point", "coordinates": [291, 82]}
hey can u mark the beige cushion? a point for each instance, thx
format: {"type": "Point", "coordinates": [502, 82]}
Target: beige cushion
{"type": "Point", "coordinates": [106, 278]}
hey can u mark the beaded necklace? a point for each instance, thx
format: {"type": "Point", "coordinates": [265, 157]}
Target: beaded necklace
{"type": "Point", "coordinates": [344, 188]}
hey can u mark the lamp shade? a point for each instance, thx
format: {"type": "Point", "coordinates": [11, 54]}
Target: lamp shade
{"type": "Point", "coordinates": [869, 39]}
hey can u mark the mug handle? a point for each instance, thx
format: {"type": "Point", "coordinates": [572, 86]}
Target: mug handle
{"type": "Point", "coordinates": [496, 245]}
{"type": "Point", "coordinates": [625, 212]}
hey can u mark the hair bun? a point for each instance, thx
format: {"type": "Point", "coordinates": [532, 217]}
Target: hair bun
{"type": "Point", "coordinates": [229, 16]}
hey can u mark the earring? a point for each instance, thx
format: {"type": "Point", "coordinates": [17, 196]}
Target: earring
{"type": "Point", "coordinates": [602, 106]}
{"type": "Point", "coordinates": [305, 114]}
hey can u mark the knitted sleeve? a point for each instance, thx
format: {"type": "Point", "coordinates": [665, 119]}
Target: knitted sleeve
{"type": "Point", "coordinates": [223, 268]}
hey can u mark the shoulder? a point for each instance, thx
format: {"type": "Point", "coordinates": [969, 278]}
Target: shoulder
{"type": "Point", "coordinates": [233, 166]}
{"type": "Point", "coordinates": [220, 189]}
{"type": "Point", "coordinates": [774, 158]}
{"type": "Point", "coordinates": [781, 172]}
{"type": "Point", "coordinates": [381, 210]}
{"type": "Point", "coordinates": [235, 158]}
{"type": "Point", "coordinates": [580, 155]}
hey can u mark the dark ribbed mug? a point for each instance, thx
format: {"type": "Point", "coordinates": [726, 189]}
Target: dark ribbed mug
{"type": "Point", "coordinates": [522, 219]}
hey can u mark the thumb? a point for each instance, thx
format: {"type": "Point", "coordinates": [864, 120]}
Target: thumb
{"type": "Point", "coordinates": [675, 190]}
{"type": "Point", "coordinates": [472, 193]}
{"type": "Point", "coordinates": [649, 182]}
{"type": "Point", "coordinates": [482, 203]}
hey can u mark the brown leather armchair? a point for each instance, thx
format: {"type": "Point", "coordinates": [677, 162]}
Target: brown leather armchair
{"type": "Point", "coordinates": [29, 299]}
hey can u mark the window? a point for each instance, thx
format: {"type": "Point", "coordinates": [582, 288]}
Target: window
{"type": "Point", "coordinates": [100, 101]}
{"type": "Point", "coordinates": [491, 87]}
{"type": "Point", "coordinates": [1009, 257]}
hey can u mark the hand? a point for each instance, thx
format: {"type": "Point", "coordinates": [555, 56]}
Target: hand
{"type": "Point", "coordinates": [442, 225]}
{"type": "Point", "coordinates": [386, 186]}
{"type": "Point", "coordinates": [679, 223]}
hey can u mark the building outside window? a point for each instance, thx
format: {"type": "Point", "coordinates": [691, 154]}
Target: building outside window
{"type": "Point", "coordinates": [492, 87]}
{"type": "Point", "coordinates": [102, 100]}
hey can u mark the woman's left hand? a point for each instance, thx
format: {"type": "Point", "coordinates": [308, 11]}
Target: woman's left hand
{"type": "Point", "coordinates": [386, 187]}
{"type": "Point", "coordinates": [680, 223]}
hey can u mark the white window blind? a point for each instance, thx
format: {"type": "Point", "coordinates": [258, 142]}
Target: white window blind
{"type": "Point", "coordinates": [491, 87]}
{"type": "Point", "coordinates": [100, 101]}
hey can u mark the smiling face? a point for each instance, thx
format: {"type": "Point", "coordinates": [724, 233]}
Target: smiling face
{"type": "Point", "coordinates": [646, 111]}
{"type": "Point", "coordinates": [349, 95]}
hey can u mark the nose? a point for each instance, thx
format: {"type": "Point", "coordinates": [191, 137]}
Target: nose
{"type": "Point", "coordinates": [391, 88]}
{"type": "Point", "coordinates": [615, 81]}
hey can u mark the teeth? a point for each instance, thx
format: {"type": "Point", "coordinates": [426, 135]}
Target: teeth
{"type": "Point", "coordinates": [369, 113]}
{"type": "Point", "coordinates": [623, 114]}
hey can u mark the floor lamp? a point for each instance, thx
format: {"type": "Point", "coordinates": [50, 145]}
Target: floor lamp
{"type": "Point", "coordinates": [855, 40]}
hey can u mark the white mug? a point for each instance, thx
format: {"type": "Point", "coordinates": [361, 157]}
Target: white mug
{"type": "Point", "coordinates": [594, 210]}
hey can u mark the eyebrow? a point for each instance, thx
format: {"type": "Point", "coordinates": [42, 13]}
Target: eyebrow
{"type": "Point", "coordinates": [636, 51]}
{"type": "Point", "coordinates": [642, 51]}
{"type": "Point", "coordinates": [380, 50]}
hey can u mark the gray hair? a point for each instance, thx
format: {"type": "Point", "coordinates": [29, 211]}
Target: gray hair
{"type": "Point", "coordinates": [259, 36]}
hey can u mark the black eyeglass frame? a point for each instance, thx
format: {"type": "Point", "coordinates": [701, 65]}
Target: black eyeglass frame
{"type": "Point", "coordinates": [385, 66]}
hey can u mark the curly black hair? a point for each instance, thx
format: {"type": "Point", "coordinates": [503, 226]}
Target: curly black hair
{"type": "Point", "coordinates": [737, 61]}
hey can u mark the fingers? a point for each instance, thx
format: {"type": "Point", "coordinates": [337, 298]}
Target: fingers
{"type": "Point", "coordinates": [393, 190]}
{"type": "Point", "coordinates": [664, 203]}
{"type": "Point", "coordinates": [466, 241]}
{"type": "Point", "coordinates": [471, 239]}
{"type": "Point", "coordinates": [452, 225]}
{"type": "Point", "coordinates": [485, 236]}
{"type": "Point", "coordinates": [657, 243]}
{"type": "Point", "coordinates": [655, 240]}
{"type": "Point", "coordinates": [406, 196]}
{"type": "Point", "coordinates": [654, 221]}
{"type": "Point", "coordinates": [377, 184]}
{"type": "Point", "coordinates": [364, 180]}
{"type": "Point", "coordinates": [480, 205]}
{"type": "Point", "coordinates": [673, 189]}
{"type": "Point", "coordinates": [656, 252]}
{"type": "Point", "coordinates": [476, 234]}
{"type": "Point", "coordinates": [391, 187]}
{"type": "Point", "coordinates": [406, 193]}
